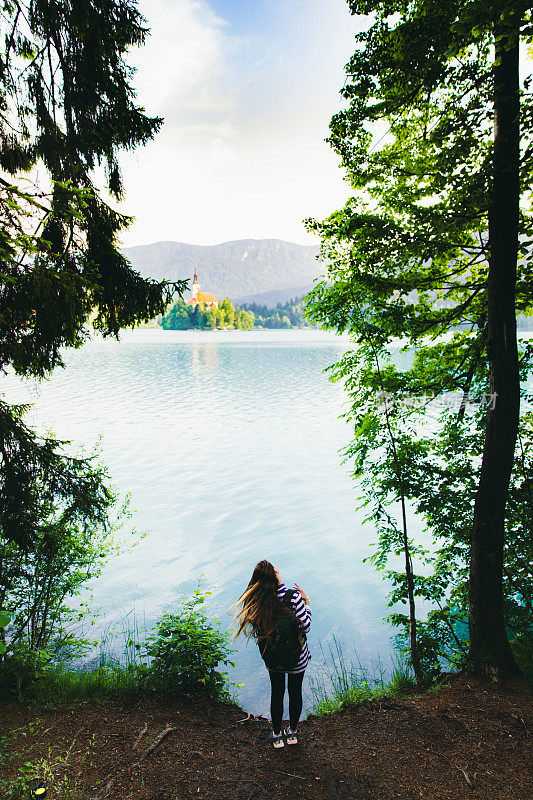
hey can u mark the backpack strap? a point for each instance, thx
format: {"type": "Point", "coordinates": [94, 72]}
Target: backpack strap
{"type": "Point", "coordinates": [287, 597]}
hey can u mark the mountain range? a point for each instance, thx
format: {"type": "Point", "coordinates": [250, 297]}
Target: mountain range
{"type": "Point", "coordinates": [265, 271]}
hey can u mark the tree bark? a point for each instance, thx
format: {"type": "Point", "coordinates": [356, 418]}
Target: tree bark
{"type": "Point", "coordinates": [490, 651]}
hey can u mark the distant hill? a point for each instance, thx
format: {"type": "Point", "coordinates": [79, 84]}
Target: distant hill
{"type": "Point", "coordinates": [241, 270]}
{"type": "Point", "coordinates": [275, 296]}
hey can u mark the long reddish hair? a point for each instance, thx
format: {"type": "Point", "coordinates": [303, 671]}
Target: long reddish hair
{"type": "Point", "coordinates": [260, 605]}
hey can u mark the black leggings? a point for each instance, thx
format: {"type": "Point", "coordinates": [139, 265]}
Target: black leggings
{"type": "Point", "coordinates": [277, 682]}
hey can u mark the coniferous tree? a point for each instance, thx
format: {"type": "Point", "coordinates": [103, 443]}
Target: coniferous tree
{"type": "Point", "coordinates": [67, 107]}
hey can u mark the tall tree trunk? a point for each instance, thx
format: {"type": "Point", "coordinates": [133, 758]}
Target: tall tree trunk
{"type": "Point", "coordinates": [489, 647]}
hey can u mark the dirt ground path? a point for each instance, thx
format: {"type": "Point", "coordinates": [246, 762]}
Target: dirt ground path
{"type": "Point", "coordinates": [468, 740]}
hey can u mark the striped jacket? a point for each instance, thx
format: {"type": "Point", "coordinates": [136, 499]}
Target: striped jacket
{"type": "Point", "coordinates": [303, 615]}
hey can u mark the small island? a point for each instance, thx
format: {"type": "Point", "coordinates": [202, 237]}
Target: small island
{"type": "Point", "coordinates": [204, 311]}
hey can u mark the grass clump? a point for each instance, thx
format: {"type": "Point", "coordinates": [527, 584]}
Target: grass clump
{"type": "Point", "coordinates": [61, 685]}
{"type": "Point", "coordinates": [344, 685]}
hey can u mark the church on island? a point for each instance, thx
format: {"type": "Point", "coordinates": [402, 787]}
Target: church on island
{"type": "Point", "coordinates": [206, 298]}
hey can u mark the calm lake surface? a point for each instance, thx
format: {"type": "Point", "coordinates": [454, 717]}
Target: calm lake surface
{"type": "Point", "coordinates": [229, 445]}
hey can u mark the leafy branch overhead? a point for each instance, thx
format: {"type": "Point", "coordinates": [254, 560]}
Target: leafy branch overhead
{"type": "Point", "coordinates": [41, 488]}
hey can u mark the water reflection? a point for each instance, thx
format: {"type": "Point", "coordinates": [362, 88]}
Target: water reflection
{"type": "Point", "coordinates": [229, 445]}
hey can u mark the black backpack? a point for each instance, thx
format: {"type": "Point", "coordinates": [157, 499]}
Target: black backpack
{"type": "Point", "coordinates": [281, 652]}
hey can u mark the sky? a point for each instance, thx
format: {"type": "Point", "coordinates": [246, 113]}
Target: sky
{"type": "Point", "coordinates": [247, 90]}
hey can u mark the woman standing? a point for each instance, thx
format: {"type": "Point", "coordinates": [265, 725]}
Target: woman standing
{"type": "Point", "coordinates": [267, 607]}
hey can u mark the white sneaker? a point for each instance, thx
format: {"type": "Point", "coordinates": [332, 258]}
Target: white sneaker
{"type": "Point", "coordinates": [291, 736]}
{"type": "Point", "coordinates": [277, 740]}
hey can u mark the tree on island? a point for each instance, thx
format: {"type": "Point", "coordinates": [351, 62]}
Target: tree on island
{"type": "Point", "coordinates": [67, 108]}
{"type": "Point", "coordinates": [435, 249]}
{"type": "Point", "coordinates": [229, 312]}
{"type": "Point", "coordinates": [183, 316]}
{"type": "Point", "coordinates": [285, 315]}
{"type": "Point", "coordinates": [245, 320]}
{"type": "Point", "coordinates": [245, 317]}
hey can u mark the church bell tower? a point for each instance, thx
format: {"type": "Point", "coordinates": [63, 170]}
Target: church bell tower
{"type": "Point", "coordinates": [195, 284]}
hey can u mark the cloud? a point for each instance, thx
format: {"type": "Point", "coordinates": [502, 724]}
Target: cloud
{"type": "Point", "coordinates": [182, 62]}
{"type": "Point", "coordinates": [247, 100]}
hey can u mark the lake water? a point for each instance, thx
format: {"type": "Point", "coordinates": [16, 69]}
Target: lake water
{"type": "Point", "coordinates": [229, 445]}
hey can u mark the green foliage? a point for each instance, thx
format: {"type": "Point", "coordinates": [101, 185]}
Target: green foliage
{"type": "Point", "coordinates": [47, 677]}
{"type": "Point", "coordinates": [182, 316]}
{"type": "Point", "coordinates": [285, 315]}
{"type": "Point", "coordinates": [43, 491]}
{"type": "Point", "coordinates": [180, 656]}
{"type": "Point", "coordinates": [186, 649]}
{"type": "Point", "coordinates": [244, 320]}
{"type": "Point", "coordinates": [39, 581]}
{"type": "Point", "coordinates": [67, 107]}
{"type": "Point", "coordinates": [344, 685]}
{"type": "Point", "coordinates": [60, 685]}
{"type": "Point", "coordinates": [439, 454]}
{"type": "Point", "coordinates": [228, 311]}
{"type": "Point", "coordinates": [55, 526]}
{"type": "Point", "coordinates": [57, 520]}
{"type": "Point", "coordinates": [177, 318]}
{"type": "Point", "coordinates": [408, 260]}
{"type": "Point", "coordinates": [21, 670]}
{"type": "Point", "coordinates": [5, 619]}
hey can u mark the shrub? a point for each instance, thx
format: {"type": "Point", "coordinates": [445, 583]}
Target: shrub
{"type": "Point", "coordinates": [186, 649]}
{"type": "Point", "coordinates": [180, 656]}
{"type": "Point", "coordinates": [57, 521]}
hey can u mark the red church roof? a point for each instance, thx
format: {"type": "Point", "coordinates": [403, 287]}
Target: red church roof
{"type": "Point", "coordinates": [203, 297]}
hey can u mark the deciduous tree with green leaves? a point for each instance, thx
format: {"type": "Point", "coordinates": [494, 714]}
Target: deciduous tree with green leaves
{"type": "Point", "coordinates": [434, 248]}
